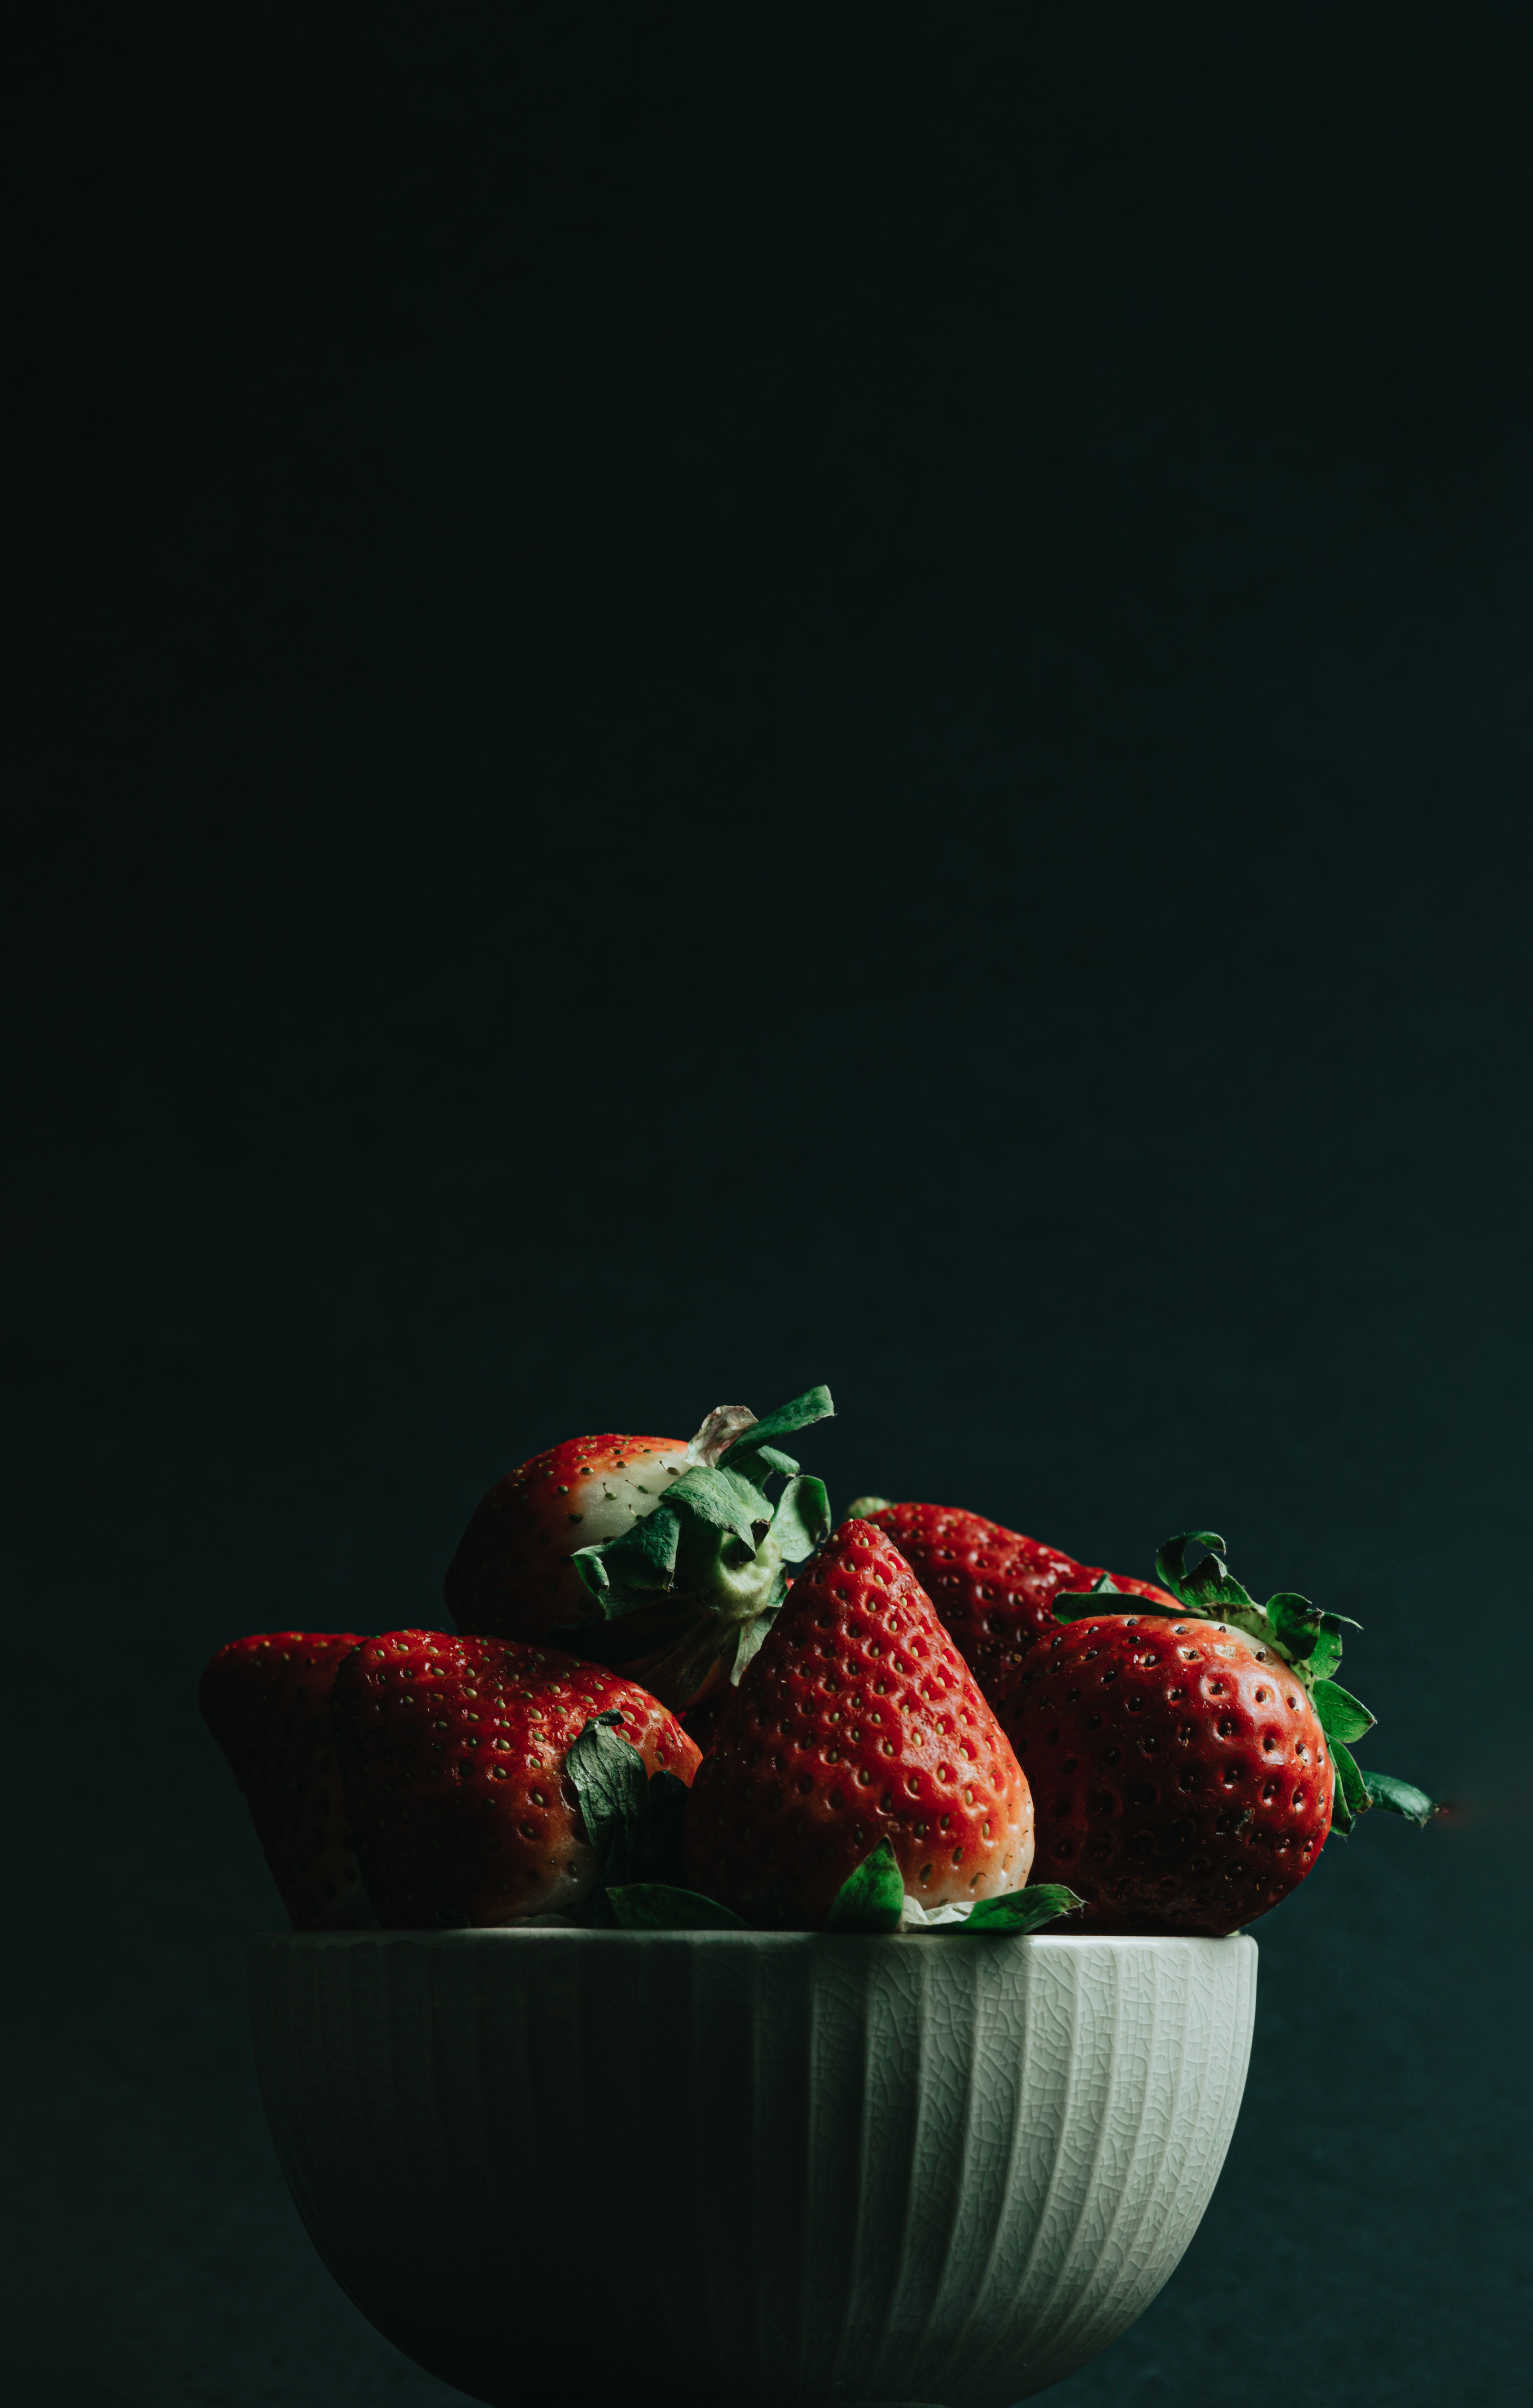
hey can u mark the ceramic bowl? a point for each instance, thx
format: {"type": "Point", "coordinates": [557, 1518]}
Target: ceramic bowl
{"type": "Point", "coordinates": [767, 2170]}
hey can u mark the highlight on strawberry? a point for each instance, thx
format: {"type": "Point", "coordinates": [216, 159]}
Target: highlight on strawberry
{"type": "Point", "coordinates": [665, 1558]}
{"type": "Point", "coordinates": [860, 1724]}
{"type": "Point", "coordinates": [1188, 1766]}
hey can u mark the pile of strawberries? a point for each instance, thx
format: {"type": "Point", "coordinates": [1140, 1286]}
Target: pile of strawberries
{"type": "Point", "coordinates": [675, 1700]}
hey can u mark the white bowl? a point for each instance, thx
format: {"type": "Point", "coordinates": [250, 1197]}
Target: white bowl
{"type": "Point", "coordinates": [749, 2170]}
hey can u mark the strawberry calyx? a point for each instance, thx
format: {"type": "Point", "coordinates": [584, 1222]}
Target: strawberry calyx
{"type": "Point", "coordinates": [633, 1820]}
{"type": "Point", "coordinates": [1308, 1641]}
{"type": "Point", "coordinates": [666, 1906]}
{"type": "Point", "coordinates": [632, 1817]}
{"type": "Point", "coordinates": [692, 1588]}
{"type": "Point", "coordinates": [873, 1900]}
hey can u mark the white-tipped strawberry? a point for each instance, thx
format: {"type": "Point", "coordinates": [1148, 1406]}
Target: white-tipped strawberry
{"type": "Point", "coordinates": [660, 1558]}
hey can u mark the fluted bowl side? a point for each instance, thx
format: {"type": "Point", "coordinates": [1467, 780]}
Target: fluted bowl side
{"type": "Point", "coordinates": [744, 2167]}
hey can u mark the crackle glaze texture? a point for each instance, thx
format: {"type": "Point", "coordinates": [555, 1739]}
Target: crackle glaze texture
{"type": "Point", "coordinates": [773, 2171]}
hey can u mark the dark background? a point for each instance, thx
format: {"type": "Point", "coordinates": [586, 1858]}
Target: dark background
{"type": "Point", "coordinates": [711, 701]}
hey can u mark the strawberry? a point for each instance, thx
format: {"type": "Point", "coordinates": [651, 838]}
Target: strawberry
{"type": "Point", "coordinates": [994, 1589]}
{"type": "Point", "coordinates": [1187, 1767]}
{"type": "Point", "coordinates": [859, 1723]}
{"type": "Point", "coordinates": [267, 1702]}
{"type": "Point", "coordinates": [513, 1576]}
{"type": "Point", "coordinates": [666, 1560]}
{"type": "Point", "coordinates": [701, 1722]}
{"type": "Point", "coordinates": [453, 1755]}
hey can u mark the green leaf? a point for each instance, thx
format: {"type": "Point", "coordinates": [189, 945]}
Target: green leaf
{"type": "Point", "coordinates": [757, 1464]}
{"type": "Point", "coordinates": [1312, 1641]}
{"type": "Point", "coordinates": [1327, 1655]}
{"type": "Point", "coordinates": [765, 1459]}
{"type": "Point", "coordinates": [1171, 1560]}
{"type": "Point", "coordinates": [1296, 1624]}
{"type": "Point", "coordinates": [724, 1500]}
{"type": "Point", "coordinates": [751, 1638]}
{"type": "Point", "coordinates": [588, 1562]}
{"type": "Point", "coordinates": [1021, 1911]}
{"type": "Point", "coordinates": [861, 1508]}
{"type": "Point", "coordinates": [1079, 1605]}
{"type": "Point", "coordinates": [802, 1521]}
{"type": "Point", "coordinates": [1400, 1798]}
{"type": "Point", "coordinates": [1212, 1590]}
{"type": "Point", "coordinates": [1287, 1606]}
{"type": "Point", "coordinates": [1343, 1716]}
{"type": "Point", "coordinates": [612, 1786]}
{"type": "Point", "coordinates": [873, 1897]}
{"type": "Point", "coordinates": [1352, 1798]}
{"type": "Point", "coordinates": [657, 1906]}
{"type": "Point", "coordinates": [625, 1572]}
{"type": "Point", "coordinates": [814, 1405]}
{"type": "Point", "coordinates": [1215, 1590]}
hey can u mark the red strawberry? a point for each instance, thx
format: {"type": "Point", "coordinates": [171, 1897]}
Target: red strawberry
{"type": "Point", "coordinates": [859, 1721]}
{"type": "Point", "coordinates": [1183, 1782]}
{"type": "Point", "coordinates": [452, 1756]}
{"type": "Point", "coordinates": [1187, 1767]}
{"type": "Point", "coordinates": [701, 1722]}
{"type": "Point", "coordinates": [267, 1702]}
{"type": "Point", "coordinates": [512, 1577]}
{"type": "Point", "coordinates": [994, 1589]}
{"type": "Point", "coordinates": [666, 1560]}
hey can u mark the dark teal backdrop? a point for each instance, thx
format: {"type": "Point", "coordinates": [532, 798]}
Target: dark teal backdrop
{"type": "Point", "coordinates": [714, 700]}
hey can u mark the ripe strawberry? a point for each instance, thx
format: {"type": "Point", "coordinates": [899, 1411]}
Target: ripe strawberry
{"type": "Point", "coordinates": [1188, 1766]}
{"type": "Point", "coordinates": [994, 1589]}
{"type": "Point", "coordinates": [859, 1722]}
{"type": "Point", "coordinates": [1182, 1779]}
{"type": "Point", "coordinates": [701, 1722]}
{"type": "Point", "coordinates": [267, 1702]}
{"type": "Point", "coordinates": [512, 1577]}
{"type": "Point", "coordinates": [640, 1551]}
{"type": "Point", "coordinates": [452, 1754]}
